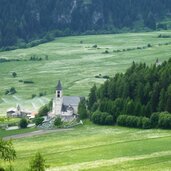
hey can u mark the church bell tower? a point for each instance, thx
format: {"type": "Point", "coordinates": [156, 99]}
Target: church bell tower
{"type": "Point", "coordinates": [57, 102]}
{"type": "Point", "coordinates": [59, 90]}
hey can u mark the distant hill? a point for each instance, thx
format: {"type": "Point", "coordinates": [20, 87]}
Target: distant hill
{"type": "Point", "coordinates": [22, 21]}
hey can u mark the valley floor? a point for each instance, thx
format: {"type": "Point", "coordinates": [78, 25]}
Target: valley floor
{"type": "Point", "coordinates": [92, 147]}
{"type": "Point", "coordinates": [77, 65]}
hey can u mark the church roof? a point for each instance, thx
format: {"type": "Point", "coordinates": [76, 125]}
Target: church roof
{"type": "Point", "coordinates": [59, 86]}
{"type": "Point", "coordinates": [71, 100]}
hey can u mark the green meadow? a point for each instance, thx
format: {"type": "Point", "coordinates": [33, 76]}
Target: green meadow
{"type": "Point", "coordinates": [87, 147]}
{"type": "Point", "coordinates": [75, 62]}
{"type": "Point", "coordinates": [91, 147]}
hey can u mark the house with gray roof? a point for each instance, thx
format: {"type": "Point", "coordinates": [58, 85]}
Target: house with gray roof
{"type": "Point", "coordinates": [65, 107]}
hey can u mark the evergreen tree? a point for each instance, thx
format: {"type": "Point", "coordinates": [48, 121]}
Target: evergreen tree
{"type": "Point", "coordinates": [162, 101]}
{"type": "Point", "coordinates": [37, 163]}
{"type": "Point", "coordinates": [82, 111]}
{"type": "Point", "coordinates": [92, 97]}
{"type": "Point", "coordinates": [168, 103]}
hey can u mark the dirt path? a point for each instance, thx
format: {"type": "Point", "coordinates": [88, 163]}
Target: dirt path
{"type": "Point", "coordinates": [34, 133]}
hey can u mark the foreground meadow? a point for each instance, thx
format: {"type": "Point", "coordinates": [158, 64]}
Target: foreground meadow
{"type": "Point", "coordinates": [75, 61]}
{"type": "Point", "coordinates": [91, 147]}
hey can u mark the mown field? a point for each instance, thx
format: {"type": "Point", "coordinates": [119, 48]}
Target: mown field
{"type": "Point", "coordinates": [91, 147]}
{"type": "Point", "coordinates": [75, 64]}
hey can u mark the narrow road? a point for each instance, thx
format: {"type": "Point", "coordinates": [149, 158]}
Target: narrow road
{"type": "Point", "coordinates": [35, 133]}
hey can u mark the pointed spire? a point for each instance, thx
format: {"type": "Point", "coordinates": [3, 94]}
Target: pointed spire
{"type": "Point", "coordinates": [59, 86]}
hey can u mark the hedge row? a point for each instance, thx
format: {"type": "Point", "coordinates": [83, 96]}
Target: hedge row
{"type": "Point", "coordinates": [157, 120]}
{"type": "Point", "coordinates": [161, 120]}
{"type": "Point", "coordinates": [102, 118]}
{"type": "Point", "coordinates": [134, 121]}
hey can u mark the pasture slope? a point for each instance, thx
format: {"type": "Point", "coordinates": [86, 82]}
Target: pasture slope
{"type": "Point", "coordinates": [104, 148]}
{"type": "Point", "coordinates": [75, 62]}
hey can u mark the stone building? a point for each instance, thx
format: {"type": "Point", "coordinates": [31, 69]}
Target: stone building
{"type": "Point", "coordinates": [65, 107]}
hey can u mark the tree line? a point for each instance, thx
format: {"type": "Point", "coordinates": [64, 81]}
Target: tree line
{"type": "Point", "coordinates": [31, 22]}
{"type": "Point", "coordinates": [142, 91]}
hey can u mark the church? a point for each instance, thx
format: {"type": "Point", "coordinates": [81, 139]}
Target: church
{"type": "Point", "coordinates": [65, 107]}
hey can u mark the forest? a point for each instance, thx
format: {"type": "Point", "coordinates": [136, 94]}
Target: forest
{"type": "Point", "coordinates": [139, 98]}
{"type": "Point", "coordinates": [39, 21]}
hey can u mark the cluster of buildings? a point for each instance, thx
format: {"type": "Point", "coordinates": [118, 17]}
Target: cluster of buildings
{"type": "Point", "coordinates": [65, 107]}
{"type": "Point", "coordinates": [20, 113]}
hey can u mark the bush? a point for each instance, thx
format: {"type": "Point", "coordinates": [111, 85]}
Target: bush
{"type": "Point", "coordinates": [58, 122]}
{"type": "Point", "coordinates": [94, 46]}
{"type": "Point", "coordinates": [14, 74]}
{"type": "Point", "coordinates": [33, 96]}
{"type": "Point", "coordinates": [2, 169]}
{"type": "Point", "coordinates": [38, 120]}
{"type": "Point", "coordinates": [164, 120]}
{"type": "Point", "coordinates": [109, 120]}
{"type": "Point", "coordinates": [106, 77]}
{"type": "Point", "coordinates": [37, 163]}
{"type": "Point", "coordinates": [134, 121]}
{"type": "Point", "coordinates": [28, 82]}
{"type": "Point", "coordinates": [149, 45]}
{"type": "Point", "coordinates": [23, 123]}
{"type": "Point", "coordinates": [154, 119]}
{"type": "Point", "coordinates": [146, 124]}
{"type": "Point", "coordinates": [102, 118]}
{"type": "Point", "coordinates": [7, 92]}
{"type": "Point", "coordinates": [12, 90]}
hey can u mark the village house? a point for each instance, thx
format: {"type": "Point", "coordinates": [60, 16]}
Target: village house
{"type": "Point", "coordinates": [19, 113]}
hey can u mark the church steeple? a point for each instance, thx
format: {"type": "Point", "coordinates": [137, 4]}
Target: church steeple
{"type": "Point", "coordinates": [59, 86]}
{"type": "Point", "coordinates": [59, 90]}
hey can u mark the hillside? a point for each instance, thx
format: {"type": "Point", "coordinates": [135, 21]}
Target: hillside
{"type": "Point", "coordinates": [24, 21]}
{"type": "Point", "coordinates": [77, 62]}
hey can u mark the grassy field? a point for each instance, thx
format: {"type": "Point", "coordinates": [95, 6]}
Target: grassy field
{"type": "Point", "coordinates": [4, 133]}
{"type": "Point", "coordinates": [91, 147]}
{"type": "Point", "coordinates": [75, 64]}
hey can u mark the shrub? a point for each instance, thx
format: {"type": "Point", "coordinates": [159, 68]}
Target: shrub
{"type": "Point", "coordinates": [154, 119]}
{"type": "Point", "coordinates": [38, 120]}
{"type": "Point", "coordinates": [14, 74]}
{"type": "Point", "coordinates": [96, 117]}
{"type": "Point", "coordinates": [42, 94]}
{"type": "Point", "coordinates": [23, 123]}
{"type": "Point", "coordinates": [7, 92]}
{"type": "Point", "coordinates": [106, 77]}
{"type": "Point", "coordinates": [37, 163]}
{"type": "Point", "coordinates": [28, 82]}
{"type": "Point", "coordinates": [109, 120]}
{"type": "Point", "coordinates": [133, 121]}
{"type": "Point", "coordinates": [102, 118]}
{"type": "Point", "coordinates": [146, 124]}
{"type": "Point", "coordinates": [10, 91]}
{"type": "Point", "coordinates": [58, 122]}
{"type": "Point", "coordinates": [149, 45]}
{"type": "Point", "coordinates": [94, 46]}
{"type": "Point", "coordinates": [106, 52]}
{"type": "Point", "coordinates": [2, 169]}
{"type": "Point", "coordinates": [33, 96]}
{"type": "Point", "coordinates": [164, 120]}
